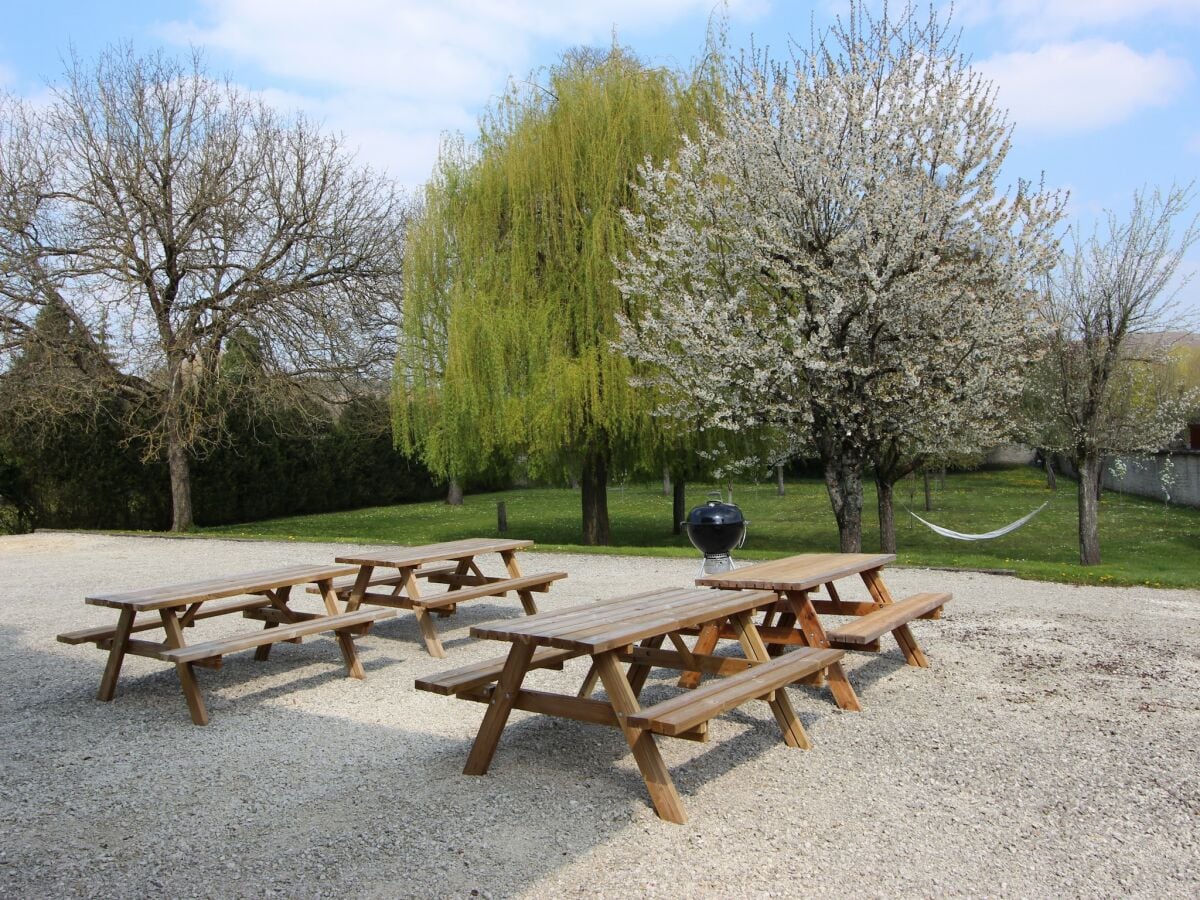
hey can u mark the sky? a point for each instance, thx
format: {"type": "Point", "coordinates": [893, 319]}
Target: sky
{"type": "Point", "coordinates": [1104, 95]}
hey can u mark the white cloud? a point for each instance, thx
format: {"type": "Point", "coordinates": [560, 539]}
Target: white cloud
{"type": "Point", "coordinates": [1041, 19]}
{"type": "Point", "coordinates": [1082, 86]}
{"type": "Point", "coordinates": [394, 76]}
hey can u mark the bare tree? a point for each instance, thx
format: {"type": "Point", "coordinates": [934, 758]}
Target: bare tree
{"type": "Point", "coordinates": [159, 211]}
{"type": "Point", "coordinates": [1105, 395]}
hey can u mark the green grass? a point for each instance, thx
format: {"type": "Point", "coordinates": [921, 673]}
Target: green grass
{"type": "Point", "coordinates": [1142, 542]}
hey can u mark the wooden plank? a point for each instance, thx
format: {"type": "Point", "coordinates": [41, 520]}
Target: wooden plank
{"type": "Point", "coordinates": [592, 712]}
{"type": "Point", "coordinates": [345, 584]}
{"type": "Point", "coordinates": [706, 642]}
{"type": "Point", "coordinates": [802, 572]}
{"type": "Point", "coordinates": [149, 599]}
{"type": "Point", "coordinates": [888, 617]}
{"type": "Point", "coordinates": [650, 763]}
{"type": "Point", "coordinates": [116, 655]}
{"type": "Point", "coordinates": [720, 695]}
{"type": "Point", "coordinates": [754, 649]}
{"type": "Point", "coordinates": [103, 632]}
{"type": "Point", "coordinates": [183, 668]}
{"type": "Point", "coordinates": [573, 616]}
{"type": "Point", "coordinates": [250, 640]}
{"type": "Point", "coordinates": [492, 589]}
{"type": "Point", "coordinates": [810, 626]}
{"type": "Point", "coordinates": [614, 624]}
{"type": "Point", "coordinates": [399, 557]}
{"type": "Point", "coordinates": [499, 707]}
{"type": "Point", "coordinates": [466, 678]}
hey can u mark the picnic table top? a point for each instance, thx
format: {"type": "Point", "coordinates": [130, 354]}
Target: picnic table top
{"type": "Point", "coordinates": [402, 557]}
{"type": "Point", "coordinates": [609, 624]}
{"type": "Point", "coordinates": [167, 596]}
{"type": "Point", "coordinates": [797, 573]}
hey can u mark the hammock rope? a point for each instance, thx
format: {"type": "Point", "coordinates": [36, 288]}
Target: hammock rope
{"type": "Point", "coordinates": [960, 536]}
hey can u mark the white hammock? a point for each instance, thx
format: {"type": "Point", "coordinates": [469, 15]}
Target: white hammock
{"type": "Point", "coordinates": [959, 536]}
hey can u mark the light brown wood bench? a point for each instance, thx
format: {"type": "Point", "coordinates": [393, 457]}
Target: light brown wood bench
{"type": "Point", "coordinates": [467, 678]}
{"type": "Point", "coordinates": [342, 586]}
{"type": "Point", "coordinates": [311, 624]}
{"type": "Point", "coordinates": [685, 712]}
{"type": "Point", "coordinates": [865, 631]}
{"type": "Point", "coordinates": [494, 587]}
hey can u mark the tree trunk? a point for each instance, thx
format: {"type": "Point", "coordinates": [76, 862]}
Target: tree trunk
{"type": "Point", "coordinates": [1090, 470]}
{"type": "Point", "coordinates": [454, 493]}
{"type": "Point", "coordinates": [594, 483]}
{"type": "Point", "coordinates": [779, 492]}
{"type": "Point", "coordinates": [666, 481]}
{"type": "Point", "coordinates": [928, 498]}
{"type": "Point", "coordinates": [843, 480]}
{"type": "Point", "coordinates": [181, 482]}
{"type": "Point", "coordinates": [887, 516]}
{"type": "Point", "coordinates": [1051, 481]}
{"type": "Point", "coordinates": [678, 507]}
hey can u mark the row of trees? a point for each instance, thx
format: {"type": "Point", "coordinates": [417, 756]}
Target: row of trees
{"type": "Point", "coordinates": [760, 259]}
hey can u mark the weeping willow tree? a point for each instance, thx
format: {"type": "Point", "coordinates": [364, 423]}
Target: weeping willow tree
{"type": "Point", "coordinates": [511, 311]}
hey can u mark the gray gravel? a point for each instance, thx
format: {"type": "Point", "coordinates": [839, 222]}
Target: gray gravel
{"type": "Point", "coordinates": [1051, 748]}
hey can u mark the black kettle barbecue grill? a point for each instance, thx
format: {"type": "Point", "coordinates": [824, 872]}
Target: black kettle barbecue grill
{"type": "Point", "coordinates": [715, 529]}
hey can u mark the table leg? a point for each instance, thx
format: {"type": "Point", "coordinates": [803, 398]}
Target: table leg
{"type": "Point", "coordinates": [499, 707]}
{"type": "Point", "coordinates": [278, 599]}
{"type": "Point", "coordinates": [706, 643]}
{"type": "Point", "coordinates": [754, 649]}
{"type": "Point", "coordinates": [345, 640]}
{"type": "Point", "coordinates": [649, 761]}
{"type": "Point", "coordinates": [639, 672]}
{"type": "Point", "coordinates": [361, 582]}
{"type": "Point", "coordinates": [589, 681]}
{"type": "Point", "coordinates": [913, 654]}
{"type": "Point", "coordinates": [814, 636]}
{"type": "Point", "coordinates": [514, 571]}
{"type": "Point", "coordinates": [412, 591]}
{"type": "Point", "coordinates": [116, 655]}
{"type": "Point", "coordinates": [187, 677]}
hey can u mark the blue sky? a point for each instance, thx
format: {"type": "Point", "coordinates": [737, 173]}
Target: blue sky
{"type": "Point", "coordinates": [1104, 94]}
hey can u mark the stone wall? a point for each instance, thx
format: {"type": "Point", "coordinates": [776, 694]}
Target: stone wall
{"type": "Point", "coordinates": [1143, 476]}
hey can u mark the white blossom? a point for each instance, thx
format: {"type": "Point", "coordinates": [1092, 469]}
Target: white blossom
{"type": "Point", "coordinates": [841, 246]}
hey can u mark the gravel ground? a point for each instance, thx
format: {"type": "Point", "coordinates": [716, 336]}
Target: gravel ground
{"type": "Point", "coordinates": [1051, 748]}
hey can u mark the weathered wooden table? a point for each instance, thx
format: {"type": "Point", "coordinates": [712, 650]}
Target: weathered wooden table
{"type": "Point", "coordinates": [261, 595]}
{"type": "Point", "coordinates": [633, 629]}
{"type": "Point", "coordinates": [460, 571]}
{"type": "Point", "coordinates": [794, 578]}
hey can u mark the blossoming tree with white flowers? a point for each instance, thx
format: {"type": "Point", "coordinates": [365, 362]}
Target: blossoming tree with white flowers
{"type": "Point", "coordinates": [842, 239]}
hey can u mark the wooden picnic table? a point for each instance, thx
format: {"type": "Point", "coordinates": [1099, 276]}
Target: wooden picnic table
{"type": "Point", "coordinates": [452, 563]}
{"type": "Point", "coordinates": [794, 578]}
{"type": "Point", "coordinates": [264, 595]}
{"type": "Point", "coordinates": [633, 629]}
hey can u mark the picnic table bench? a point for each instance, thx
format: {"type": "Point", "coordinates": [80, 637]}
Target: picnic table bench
{"type": "Point", "coordinates": [633, 630]}
{"type": "Point", "coordinates": [175, 608]}
{"type": "Point", "coordinates": [452, 563]}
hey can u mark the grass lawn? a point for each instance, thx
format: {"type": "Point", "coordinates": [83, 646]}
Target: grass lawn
{"type": "Point", "coordinates": [1142, 542]}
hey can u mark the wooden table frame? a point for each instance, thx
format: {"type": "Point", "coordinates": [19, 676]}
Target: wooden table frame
{"type": "Point", "coordinates": [793, 579]}
{"type": "Point", "coordinates": [627, 629]}
{"type": "Point", "coordinates": [467, 581]}
{"type": "Point", "coordinates": [179, 606]}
